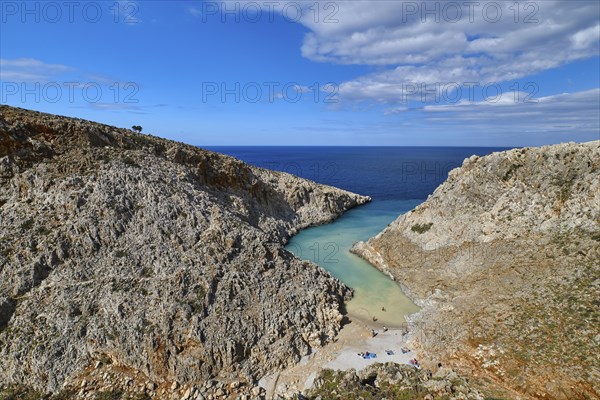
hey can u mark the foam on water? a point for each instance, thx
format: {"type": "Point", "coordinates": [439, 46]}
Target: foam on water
{"type": "Point", "coordinates": [329, 246]}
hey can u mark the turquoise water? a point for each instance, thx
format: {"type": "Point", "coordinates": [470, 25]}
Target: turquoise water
{"type": "Point", "coordinates": [391, 176]}
{"type": "Point", "coordinates": [329, 246]}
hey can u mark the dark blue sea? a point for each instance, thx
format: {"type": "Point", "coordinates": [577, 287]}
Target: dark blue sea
{"type": "Point", "coordinates": [397, 178]}
{"type": "Point", "coordinates": [384, 173]}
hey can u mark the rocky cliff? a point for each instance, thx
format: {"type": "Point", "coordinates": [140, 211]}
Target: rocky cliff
{"type": "Point", "coordinates": [392, 381]}
{"type": "Point", "coordinates": [136, 264]}
{"type": "Point", "coordinates": [504, 258]}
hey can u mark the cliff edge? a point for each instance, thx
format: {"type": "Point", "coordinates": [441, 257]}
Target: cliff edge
{"type": "Point", "coordinates": [137, 264]}
{"type": "Point", "coordinates": [504, 258]}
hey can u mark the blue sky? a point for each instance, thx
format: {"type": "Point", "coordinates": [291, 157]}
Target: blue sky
{"type": "Point", "coordinates": [354, 72]}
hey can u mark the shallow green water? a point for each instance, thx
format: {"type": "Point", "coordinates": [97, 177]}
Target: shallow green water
{"type": "Point", "coordinates": [329, 245]}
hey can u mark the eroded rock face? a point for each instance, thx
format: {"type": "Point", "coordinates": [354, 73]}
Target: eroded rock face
{"type": "Point", "coordinates": [392, 381]}
{"type": "Point", "coordinates": [153, 256]}
{"type": "Point", "coordinates": [504, 258]}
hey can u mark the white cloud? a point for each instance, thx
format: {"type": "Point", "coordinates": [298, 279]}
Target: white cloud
{"type": "Point", "coordinates": [30, 70]}
{"type": "Point", "coordinates": [431, 48]}
{"type": "Point", "coordinates": [589, 98]}
{"type": "Point", "coordinates": [384, 33]}
{"type": "Point", "coordinates": [113, 107]}
{"type": "Point", "coordinates": [568, 113]}
{"type": "Point", "coordinates": [586, 38]}
{"type": "Point", "coordinates": [552, 119]}
{"type": "Point", "coordinates": [395, 110]}
{"type": "Point", "coordinates": [27, 80]}
{"type": "Point", "coordinates": [194, 12]}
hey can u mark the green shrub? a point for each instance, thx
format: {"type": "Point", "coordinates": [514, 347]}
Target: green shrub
{"type": "Point", "coordinates": [421, 228]}
{"type": "Point", "coordinates": [129, 161]}
{"type": "Point", "coordinates": [109, 395]}
{"type": "Point", "coordinates": [27, 225]}
{"type": "Point", "coordinates": [20, 392]}
{"type": "Point", "coordinates": [64, 395]}
{"type": "Point", "coordinates": [43, 230]}
{"type": "Point", "coordinates": [511, 171]}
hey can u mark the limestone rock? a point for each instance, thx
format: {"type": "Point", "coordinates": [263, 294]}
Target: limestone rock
{"type": "Point", "coordinates": [151, 256]}
{"type": "Point", "coordinates": [391, 381]}
{"type": "Point", "coordinates": [504, 258]}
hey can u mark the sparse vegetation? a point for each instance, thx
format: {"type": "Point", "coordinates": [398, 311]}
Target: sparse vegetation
{"type": "Point", "coordinates": [42, 230]}
{"type": "Point", "coordinates": [197, 302]}
{"type": "Point", "coordinates": [530, 336]}
{"type": "Point", "coordinates": [421, 228]}
{"type": "Point", "coordinates": [27, 225]}
{"type": "Point", "coordinates": [109, 395]}
{"type": "Point", "coordinates": [137, 396]}
{"type": "Point", "coordinates": [145, 326]}
{"type": "Point", "coordinates": [394, 382]}
{"type": "Point", "coordinates": [4, 250]}
{"type": "Point", "coordinates": [200, 292]}
{"type": "Point", "coordinates": [130, 162]}
{"type": "Point", "coordinates": [142, 140]}
{"type": "Point", "coordinates": [511, 171]}
{"type": "Point", "coordinates": [20, 392]}
{"type": "Point", "coordinates": [120, 254]}
{"type": "Point", "coordinates": [536, 336]}
{"type": "Point", "coordinates": [64, 395]}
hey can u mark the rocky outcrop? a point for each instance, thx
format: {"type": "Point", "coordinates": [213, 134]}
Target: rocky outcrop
{"type": "Point", "coordinates": [504, 259]}
{"type": "Point", "coordinates": [152, 258]}
{"type": "Point", "coordinates": [392, 381]}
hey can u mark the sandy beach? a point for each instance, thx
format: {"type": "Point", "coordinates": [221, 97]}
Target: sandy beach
{"type": "Point", "coordinates": [354, 338]}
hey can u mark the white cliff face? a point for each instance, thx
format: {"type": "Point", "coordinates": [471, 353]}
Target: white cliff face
{"type": "Point", "coordinates": [141, 254]}
{"type": "Point", "coordinates": [505, 194]}
{"type": "Point", "coordinates": [504, 259]}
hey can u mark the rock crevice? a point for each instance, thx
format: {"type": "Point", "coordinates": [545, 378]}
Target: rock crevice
{"type": "Point", "coordinates": [152, 256]}
{"type": "Point", "coordinates": [504, 259]}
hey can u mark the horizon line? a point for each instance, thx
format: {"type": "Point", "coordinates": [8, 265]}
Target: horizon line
{"type": "Point", "coordinates": [359, 146]}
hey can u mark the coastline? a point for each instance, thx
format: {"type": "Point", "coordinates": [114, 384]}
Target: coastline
{"type": "Point", "coordinates": [341, 354]}
{"type": "Point", "coordinates": [354, 337]}
{"type": "Point", "coordinates": [234, 229]}
{"type": "Point", "coordinates": [377, 300]}
{"type": "Point", "coordinates": [494, 271]}
{"type": "Point", "coordinates": [365, 251]}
